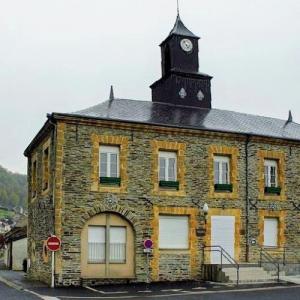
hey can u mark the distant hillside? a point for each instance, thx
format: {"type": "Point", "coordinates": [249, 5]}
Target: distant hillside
{"type": "Point", "coordinates": [13, 189]}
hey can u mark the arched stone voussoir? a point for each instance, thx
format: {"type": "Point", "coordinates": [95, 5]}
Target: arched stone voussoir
{"type": "Point", "coordinates": [118, 209]}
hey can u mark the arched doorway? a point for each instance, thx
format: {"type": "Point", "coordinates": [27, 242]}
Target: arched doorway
{"type": "Point", "coordinates": [107, 247]}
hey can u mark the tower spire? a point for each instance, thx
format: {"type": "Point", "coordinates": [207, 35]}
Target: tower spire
{"type": "Point", "coordinates": [177, 7]}
{"type": "Point", "coordinates": [290, 118]}
{"type": "Point", "coordinates": [111, 94]}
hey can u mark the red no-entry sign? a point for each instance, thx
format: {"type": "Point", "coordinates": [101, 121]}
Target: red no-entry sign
{"type": "Point", "coordinates": [53, 243]}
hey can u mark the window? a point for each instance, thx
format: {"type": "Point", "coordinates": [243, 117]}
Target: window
{"type": "Point", "coordinates": [45, 169]}
{"type": "Point", "coordinates": [271, 232]}
{"type": "Point", "coordinates": [271, 171]}
{"type": "Point", "coordinates": [97, 241]}
{"type": "Point", "coordinates": [34, 179]}
{"type": "Point", "coordinates": [109, 164]}
{"type": "Point", "coordinates": [271, 175]}
{"type": "Point", "coordinates": [96, 244]}
{"type": "Point", "coordinates": [167, 166]}
{"type": "Point", "coordinates": [221, 170]}
{"type": "Point", "coordinates": [173, 232]}
{"type": "Point", "coordinates": [117, 244]}
{"type": "Point", "coordinates": [223, 174]}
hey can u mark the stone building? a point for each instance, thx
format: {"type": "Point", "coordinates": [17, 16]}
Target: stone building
{"type": "Point", "coordinates": [106, 178]}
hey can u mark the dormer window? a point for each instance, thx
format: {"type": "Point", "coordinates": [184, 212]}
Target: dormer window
{"type": "Point", "coordinates": [200, 95]}
{"type": "Point", "coordinates": [182, 93]}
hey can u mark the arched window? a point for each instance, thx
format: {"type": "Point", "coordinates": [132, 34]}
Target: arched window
{"type": "Point", "coordinates": [107, 244]}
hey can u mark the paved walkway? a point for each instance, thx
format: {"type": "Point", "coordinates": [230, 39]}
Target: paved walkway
{"type": "Point", "coordinates": [291, 279]}
{"type": "Point", "coordinates": [18, 280]}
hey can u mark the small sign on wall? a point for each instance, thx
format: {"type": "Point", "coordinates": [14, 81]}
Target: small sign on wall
{"type": "Point", "coordinates": [200, 232]}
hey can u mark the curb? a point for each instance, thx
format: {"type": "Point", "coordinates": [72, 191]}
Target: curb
{"type": "Point", "coordinates": [11, 284]}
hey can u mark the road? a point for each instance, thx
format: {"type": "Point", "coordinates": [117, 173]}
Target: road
{"type": "Point", "coordinates": [271, 293]}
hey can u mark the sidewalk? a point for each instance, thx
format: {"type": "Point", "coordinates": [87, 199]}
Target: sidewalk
{"type": "Point", "coordinates": [18, 280]}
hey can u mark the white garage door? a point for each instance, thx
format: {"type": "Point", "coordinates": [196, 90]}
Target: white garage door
{"type": "Point", "coordinates": [222, 234]}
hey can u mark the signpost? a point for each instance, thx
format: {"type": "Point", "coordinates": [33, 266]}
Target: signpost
{"type": "Point", "coordinates": [148, 244]}
{"type": "Point", "coordinates": [53, 244]}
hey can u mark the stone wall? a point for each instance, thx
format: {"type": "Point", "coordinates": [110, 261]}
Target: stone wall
{"type": "Point", "coordinates": [40, 215]}
{"type": "Point", "coordinates": [19, 253]}
{"type": "Point", "coordinates": [137, 201]}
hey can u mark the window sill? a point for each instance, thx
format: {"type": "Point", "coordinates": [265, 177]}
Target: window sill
{"type": "Point", "coordinates": [169, 185]}
{"type": "Point", "coordinates": [271, 247]}
{"type": "Point", "coordinates": [223, 188]}
{"type": "Point", "coordinates": [273, 191]}
{"type": "Point", "coordinates": [110, 181]}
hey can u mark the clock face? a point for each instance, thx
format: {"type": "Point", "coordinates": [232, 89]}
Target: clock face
{"type": "Point", "coordinates": [186, 45]}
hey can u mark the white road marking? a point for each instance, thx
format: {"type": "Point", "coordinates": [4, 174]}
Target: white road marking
{"type": "Point", "coordinates": [145, 291]}
{"type": "Point", "coordinates": [186, 294]}
{"type": "Point", "coordinates": [172, 290]}
{"type": "Point", "coordinates": [104, 293]}
{"type": "Point", "coordinates": [94, 290]}
{"type": "Point", "coordinates": [41, 296]}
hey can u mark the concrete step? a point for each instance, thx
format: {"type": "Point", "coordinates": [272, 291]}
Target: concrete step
{"type": "Point", "coordinates": [249, 275]}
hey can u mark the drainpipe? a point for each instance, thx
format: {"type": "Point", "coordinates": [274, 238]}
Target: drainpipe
{"type": "Point", "coordinates": [247, 199]}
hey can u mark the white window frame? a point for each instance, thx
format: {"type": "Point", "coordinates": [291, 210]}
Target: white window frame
{"type": "Point", "coordinates": [220, 159]}
{"type": "Point", "coordinates": [94, 251]}
{"type": "Point", "coordinates": [170, 229]}
{"type": "Point", "coordinates": [273, 245]}
{"type": "Point", "coordinates": [270, 164]}
{"type": "Point", "coordinates": [167, 155]}
{"type": "Point", "coordinates": [97, 254]}
{"type": "Point", "coordinates": [109, 150]}
{"type": "Point", "coordinates": [118, 256]}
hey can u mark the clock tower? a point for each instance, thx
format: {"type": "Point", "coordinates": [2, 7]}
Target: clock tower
{"type": "Point", "coordinates": [181, 82]}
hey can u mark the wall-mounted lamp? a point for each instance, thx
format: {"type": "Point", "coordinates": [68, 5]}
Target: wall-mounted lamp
{"type": "Point", "coordinates": [205, 211]}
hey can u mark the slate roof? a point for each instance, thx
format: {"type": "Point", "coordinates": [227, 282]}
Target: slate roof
{"type": "Point", "coordinates": [155, 113]}
{"type": "Point", "coordinates": [180, 29]}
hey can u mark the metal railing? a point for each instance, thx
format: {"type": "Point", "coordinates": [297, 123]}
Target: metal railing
{"type": "Point", "coordinates": [223, 255]}
{"type": "Point", "coordinates": [285, 255]}
{"type": "Point", "coordinates": [267, 258]}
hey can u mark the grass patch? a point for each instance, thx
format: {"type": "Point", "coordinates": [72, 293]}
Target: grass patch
{"type": "Point", "coordinates": [6, 213]}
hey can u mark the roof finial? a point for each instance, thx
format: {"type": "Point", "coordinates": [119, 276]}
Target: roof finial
{"type": "Point", "coordinates": [177, 7]}
{"type": "Point", "coordinates": [111, 94]}
{"type": "Point", "coordinates": [290, 118]}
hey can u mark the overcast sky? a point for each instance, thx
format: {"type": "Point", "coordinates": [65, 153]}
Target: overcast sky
{"type": "Point", "coordinates": [62, 55]}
